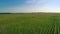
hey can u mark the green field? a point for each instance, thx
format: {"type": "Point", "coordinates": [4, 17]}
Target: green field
{"type": "Point", "coordinates": [30, 23]}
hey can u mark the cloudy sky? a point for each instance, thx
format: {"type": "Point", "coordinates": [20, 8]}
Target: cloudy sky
{"type": "Point", "coordinates": [18, 6]}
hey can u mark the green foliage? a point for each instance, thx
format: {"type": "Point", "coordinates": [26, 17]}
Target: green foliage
{"type": "Point", "coordinates": [30, 23]}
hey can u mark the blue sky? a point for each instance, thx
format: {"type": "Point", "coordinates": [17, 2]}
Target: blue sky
{"type": "Point", "coordinates": [29, 6]}
{"type": "Point", "coordinates": [10, 3]}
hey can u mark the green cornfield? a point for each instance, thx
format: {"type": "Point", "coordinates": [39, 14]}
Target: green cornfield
{"type": "Point", "coordinates": [33, 23]}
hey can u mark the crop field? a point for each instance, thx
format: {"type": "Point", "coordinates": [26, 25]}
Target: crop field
{"type": "Point", "coordinates": [34, 23]}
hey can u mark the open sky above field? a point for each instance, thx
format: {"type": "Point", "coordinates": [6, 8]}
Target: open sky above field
{"type": "Point", "coordinates": [14, 6]}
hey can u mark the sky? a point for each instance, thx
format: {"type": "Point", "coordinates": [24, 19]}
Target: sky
{"type": "Point", "coordinates": [25, 6]}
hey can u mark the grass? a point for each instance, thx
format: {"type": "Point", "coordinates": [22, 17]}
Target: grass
{"type": "Point", "coordinates": [30, 23]}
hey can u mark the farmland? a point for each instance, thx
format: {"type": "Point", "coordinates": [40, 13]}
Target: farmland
{"type": "Point", "coordinates": [34, 23]}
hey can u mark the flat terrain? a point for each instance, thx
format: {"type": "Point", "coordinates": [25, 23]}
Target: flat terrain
{"type": "Point", "coordinates": [44, 23]}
